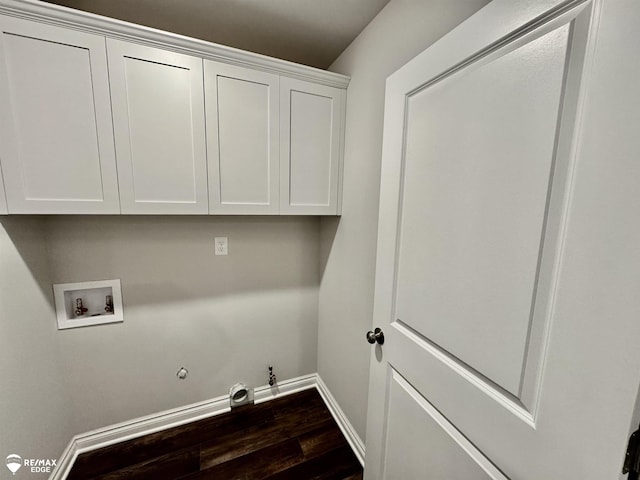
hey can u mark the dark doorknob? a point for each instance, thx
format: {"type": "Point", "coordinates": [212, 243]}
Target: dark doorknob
{"type": "Point", "coordinates": [375, 336]}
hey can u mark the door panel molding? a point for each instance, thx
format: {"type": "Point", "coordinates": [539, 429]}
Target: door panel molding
{"type": "Point", "coordinates": [445, 62]}
{"type": "Point", "coordinates": [409, 339]}
{"type": "Point", "coordinates": [3, 200]}
{"type": "Point", "coordinates": [537, 27]}
{"type": "Point", "coordinates": [501, 173]}
{"type": "Point", "coordinates": [449, 453]}
{"type": "Point", "coordinates": [561, 185]}
{"type": "Point", "coordinates": [525, 398]}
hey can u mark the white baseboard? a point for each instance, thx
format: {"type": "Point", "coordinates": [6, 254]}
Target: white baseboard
{"type": "Point", "coordinates": [356, 443]}
{"type": "Point", "coordinates": [284, 387]}
{"type": "Point", "coordinates": [139, 427]}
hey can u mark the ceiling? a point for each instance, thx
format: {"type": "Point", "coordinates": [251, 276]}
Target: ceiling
{"type": "Point", "coordinates": [311, 32]}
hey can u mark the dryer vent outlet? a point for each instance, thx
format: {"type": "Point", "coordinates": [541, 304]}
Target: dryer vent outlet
{"type": "Point", "coordinates": [240, 395]}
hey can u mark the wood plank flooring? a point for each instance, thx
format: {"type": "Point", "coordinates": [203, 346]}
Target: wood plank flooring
{"type": "Point", "coordinates": [290, 438]}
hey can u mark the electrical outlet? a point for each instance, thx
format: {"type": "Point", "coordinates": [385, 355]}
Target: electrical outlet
{"type": "Point", "coordinates": [221, 245]}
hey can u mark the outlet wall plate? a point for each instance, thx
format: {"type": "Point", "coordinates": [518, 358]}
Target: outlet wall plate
{"type": "Point", "coordinates": [221, 245]}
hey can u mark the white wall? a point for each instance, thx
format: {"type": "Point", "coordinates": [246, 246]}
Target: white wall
{"type": "Point", "coordinates": [35, 408]}
{"type": "Point", "coordinates": [402, 30]}
{"type": "Point", "coordinates": [224, 318]}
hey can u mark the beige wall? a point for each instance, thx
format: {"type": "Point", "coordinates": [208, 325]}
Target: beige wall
{"type": "Point", "coordinates": [223, 318]}
{"type": "Point", "coordinates": [35, 413]}
{"type": "Point", "coordinates": [402, 30]}
{"type": "Point", "coordinates": [308, 32]}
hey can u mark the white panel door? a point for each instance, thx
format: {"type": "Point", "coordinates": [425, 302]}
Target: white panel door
{"type": "Point", "coordinates": [158, 114]}
{"type": "Point", "coordinates": [242, 139]}
{"type": "Point", "coordinates": [311, 119]}
{"type": "Point", "coordinates": [56, 134]}
{"type": "Point", "coordinates": [508, 268]}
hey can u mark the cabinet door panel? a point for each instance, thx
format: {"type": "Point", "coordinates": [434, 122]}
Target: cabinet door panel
{"type": "Point", "coordinates": [311, 126]}
{"type": "Point", "coordinates": [242, 135]}
{"type": "Point", "coordinates": [56, 140]}
{"type": "Point", "coordinates": [158, 109]}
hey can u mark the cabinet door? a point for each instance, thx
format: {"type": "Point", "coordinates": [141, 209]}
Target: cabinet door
{"type": "Point", "coordinates": [310, 147]}
{"type": "Point", "coordinates": [56, 134]}
{"type": "Point", "coordinates": [242, 138]}
{"type": "Point", "coordinates": [158, 115]}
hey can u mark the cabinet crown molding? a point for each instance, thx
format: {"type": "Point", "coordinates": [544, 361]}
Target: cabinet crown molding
{"type": "Point", "coordinates": [112, 28]}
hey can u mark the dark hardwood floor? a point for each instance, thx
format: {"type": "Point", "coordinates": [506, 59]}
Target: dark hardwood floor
{"type": "Point", "coordinates": [290, 438]}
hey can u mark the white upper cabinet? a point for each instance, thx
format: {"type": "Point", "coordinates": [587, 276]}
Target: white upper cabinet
{"type": "Point", "coordinates": [311, 119]}
{"type": "Point", "coordinates": [158, 118]}
{"type": "Point", "coordinates": [104, 117]}
{"type": "Point", "coordinates": [242, 139]}
{"type": "Point", "coordinates": [56, 137]}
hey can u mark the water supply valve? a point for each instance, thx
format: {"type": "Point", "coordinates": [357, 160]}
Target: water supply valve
{"type": "Point", "coordinates": [272, 376]}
